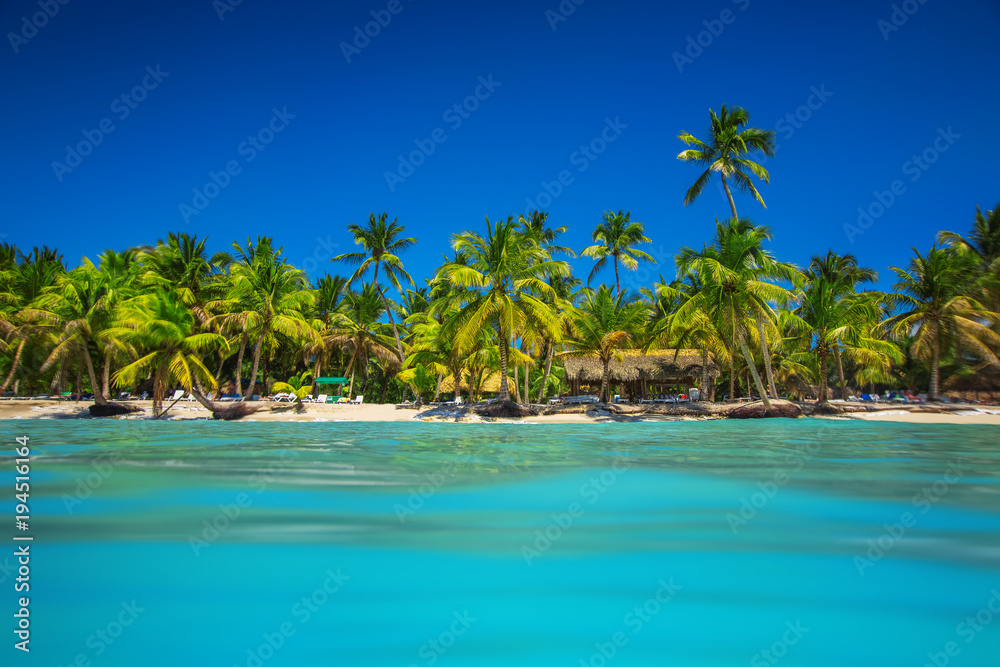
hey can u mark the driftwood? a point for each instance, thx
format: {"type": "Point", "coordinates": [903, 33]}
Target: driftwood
{"type": "Point", "coordinates": [505, 410]}
{"type": "Point", "coordinates": [113, 409]}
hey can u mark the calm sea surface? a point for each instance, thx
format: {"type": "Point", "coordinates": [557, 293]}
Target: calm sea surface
{"type": "Point", "coordinates": [800, 542]}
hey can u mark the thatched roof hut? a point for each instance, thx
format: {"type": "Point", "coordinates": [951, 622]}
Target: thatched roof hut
{"type": "Point", "coordinates": [491, 385]}
{"type": "Point", "coordinates": [655, 366]}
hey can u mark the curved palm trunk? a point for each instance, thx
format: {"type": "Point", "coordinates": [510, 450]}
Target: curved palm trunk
{"type": "Point", "coordinates": [199, 395]}
{"type": "Point", "coordinates": [217, 393]}
{"type": "Point", "coordinates": [239, 363]}
{"type": "Point", "coordinates": [55, 387]}
{"type": "Point", "coordinates": [767, 359]}
{"type": "Point", "coordinates": [617, 282]}
{"type": "Point", "coordinates": [753, 370]}
{"type": "Point", "coordinates": [840, 372]}
{"type": "Point", "coordinates": [517, 385]}
{"type": "Point", "coordinates": [527, 384]}
{"type": "Point", "coordinates": [437, 388]}
{"type": "Point", "coordinates": [732, 204]}
{"type": "Point", "coordinates": [14, 365]}
{"type": "Point", "coordinates": [99, 398]}
{"type": "Point", "coordinates": [548, 371]}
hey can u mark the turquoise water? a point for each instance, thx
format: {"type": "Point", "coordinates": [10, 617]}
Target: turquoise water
{"type": "Point", "coordinates": [805, 542]}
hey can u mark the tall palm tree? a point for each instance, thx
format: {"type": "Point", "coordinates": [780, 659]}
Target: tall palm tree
{"type": "Point", "coordinates": [738, 246]}
{"type": "Point", "coordinates": [601, 326]}
{"type": "Point", "coordinates": [268, 296]}
{"type": "Point", "coordinates": [78, 308]}
{"type": "Point", "coordinates": [182, 263]}
{"type": "Point", "coordinates": [934, 291]}
{"type": "Point", "coordinates": [501, 284]}
{"type": "Point", "coordinates": [833, 315]}
{"type": "Point", "coordinates": [382, 242]}
{"type": "Point", "coordinates": [162, 331]}
{"type": "Point", "coordinates": [984, 243]}
{"type": "Point", "coordinates": [361, 332]}
{"type": "Point", "coordinates": [536, 223]}
{"type": "Point", "coordinates": [616, 238]}
{"type": "Point", "coordinates": [725, 150]}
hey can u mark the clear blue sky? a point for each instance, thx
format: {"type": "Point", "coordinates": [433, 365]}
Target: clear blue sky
{"type": "Point", "coordinates": [607, 60]}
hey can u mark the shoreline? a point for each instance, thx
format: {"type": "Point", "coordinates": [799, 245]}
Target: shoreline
{"type": "Point", "coordinates": [275, 412]}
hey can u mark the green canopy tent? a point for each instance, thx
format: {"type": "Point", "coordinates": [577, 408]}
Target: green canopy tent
{"type": "Point", "coordinates": [338, 382]}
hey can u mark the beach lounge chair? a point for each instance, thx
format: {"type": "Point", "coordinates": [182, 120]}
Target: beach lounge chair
{"type": "Point", "coordinates": [178, 395]}
{"type": "Point", "coordinates": [319, 399]}
{"type": "Point", "coordinates": [458, 400]}
{"type": "Point", "coordinates": [283, 397]}
{"type": "Point", "coordinates": [358, 400]}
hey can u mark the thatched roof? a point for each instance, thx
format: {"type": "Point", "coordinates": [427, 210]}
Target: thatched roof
{"type": "Point", "coordinates": [491, 385]}
{"type": "Point", "coordinates": [654, 366]}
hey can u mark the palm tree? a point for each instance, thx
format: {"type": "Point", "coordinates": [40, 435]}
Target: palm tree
{"type": "Point", "coordinates": [361, 332]}
{"type": "Point", "coordinates": [601, 326]}
{"type": "Point", "coordinates": [163, 332]}
{"type": "Point", "coordinates": [296, 386]}
{"type": "Point", "coordinates": [616, 238]}
{"type": "Point", "coordinates": [725, 150]}
{"type": "Point", "coordinates": [181, 263]}
{"type": "Point", "coordinates": [382, 244]}
{"type": "Point", "coordinates": [536, 223]}
{"type": "Point", "coordinates": [268, 296]}
{"type": "Point", "coordinates": [738, 246]}
{"type": "Point", "coordinates": [934, 289]}
{"type": "Point", "coordinates": [833, 315]}
{"type": "Point", "coordinates": [500, 283]}
{"type": "Point", "coordinates": [564, 293]}
{"type": "Point", "coordinates": [78, 308]}
{"type": "Point", "coordinates": [984, 243]}
{"type": "Point", "coordinates": [732, 275]}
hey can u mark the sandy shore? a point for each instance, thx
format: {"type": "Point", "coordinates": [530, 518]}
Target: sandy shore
{"type": "Point", "coordinates": [392, 413]}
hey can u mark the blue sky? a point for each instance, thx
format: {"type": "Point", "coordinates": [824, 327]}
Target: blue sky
{"type": "Point", "coordinates": [888, 95]}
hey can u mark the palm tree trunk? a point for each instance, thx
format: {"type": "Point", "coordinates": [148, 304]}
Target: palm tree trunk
{"type": "Point", "coordinates": [753, 371]}
{"type": "Point", "coordinates": [200, 396]}
{"type": "Point", "coordinates": [823, 388]}
{"type": "Point", "coordinates": [218, 375]}
{"type": "Point", "coordinates": [14, 365]}
{"type": "Point", "coordinates": [504, 394]}
{"type": "Point", "coordinates": [932, 395]}
{"type": "Point", "coordinates": [437, 388]}
{"type": "Point", "coordinates": [99, 398]}
{"type": "Point", "coordinates": [256, 359]}
{"type": "Point", "coordinates": [239, 363]}
{"type": "Point", "coordinates": [604, 382]}
{"type": "Point", "coordinates": [704, 375]}
{"type": "Point", "coordinates": [767, 358]}
{"type": "Point", "coordinates": [55, 387]}
{"type": "Point", "coordinates": [527, 384]}
{"type": "Point", "coordinates": [840, 372]}
{"type": "Point", "coordinates": [517, 386]}
{"type": "Point", "coordinates": [732, 378]}
{"type": "Point", "coordinates": [617, 282]}
{"type": "Point", "coordinates": [548, 370]}
{"type": "Point", "coordinates": [105, 374]}
{"type": "Point", "coordinates": [729, 194]}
